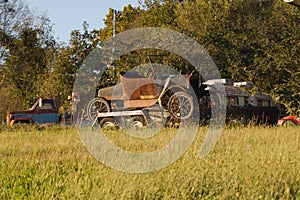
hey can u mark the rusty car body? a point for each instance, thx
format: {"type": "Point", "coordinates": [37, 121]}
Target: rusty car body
{"type": "Point", "coordinates": [170, 94]}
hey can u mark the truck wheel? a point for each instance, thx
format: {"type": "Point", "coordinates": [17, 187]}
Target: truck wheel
{"type": "Point", "coordinates": [181, 105]}
{"type": "Point", "coordinates": [108, 124]}
{"type": "Point", "coordinates": [95, 106]}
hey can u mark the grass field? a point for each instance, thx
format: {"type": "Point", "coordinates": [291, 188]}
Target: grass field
{"type": "Point", "coordinates": [246, 163]}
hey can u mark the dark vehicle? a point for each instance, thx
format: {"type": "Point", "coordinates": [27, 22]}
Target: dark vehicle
{"type": "Point", "coordinates": [243, 105]}
{"type": "Point", "coordinates": [43, 111]}
{"type": "Point", "coordinates": [292, 120]}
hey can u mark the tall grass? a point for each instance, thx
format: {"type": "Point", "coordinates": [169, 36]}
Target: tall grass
{"type": "Point", "coordinates": [246, 163]}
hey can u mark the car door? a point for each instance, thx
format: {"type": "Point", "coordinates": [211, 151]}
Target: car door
{"type": "Point", "coordinates": [46, 112]}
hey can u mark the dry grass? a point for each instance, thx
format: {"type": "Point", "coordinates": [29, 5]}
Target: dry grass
{"type": "Point", "coordinates": [247, 163]}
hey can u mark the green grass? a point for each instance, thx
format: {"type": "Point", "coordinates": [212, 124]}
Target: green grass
{"type": "Point", "coordinates": [246, 163]}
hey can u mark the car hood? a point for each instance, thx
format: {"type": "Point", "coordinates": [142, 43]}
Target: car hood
{"type": "Point", "coordinates": [21, 112]}
{"type": "Point", "coordinates": [108, 92]}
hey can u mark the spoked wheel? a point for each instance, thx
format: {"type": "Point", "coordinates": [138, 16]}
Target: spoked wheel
{"type": "Point", "coordinates": [97, 105]}
{"type": "Point", "coordinates": [181, 106]}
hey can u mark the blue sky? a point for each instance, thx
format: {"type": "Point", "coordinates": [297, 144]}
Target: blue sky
{"type": "Point", "coordinates": [68, 15]}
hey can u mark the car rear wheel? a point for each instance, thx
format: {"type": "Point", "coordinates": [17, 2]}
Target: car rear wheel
{"type": "Point", "coordinates": [181, 106]}
{"type": "Point", "coordinates": [95, 106]}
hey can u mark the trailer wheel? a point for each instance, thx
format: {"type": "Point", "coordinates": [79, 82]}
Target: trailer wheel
{"type": "Point", "coordinates": [138, 122]}
{"type": "Point", "coordinates": [181, 105]}
{"type": "Point", "coordinates": [95, 106]}
{"type": "Point", "coordinates": [107, 123]}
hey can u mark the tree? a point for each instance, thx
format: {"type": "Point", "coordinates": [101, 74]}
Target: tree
{"type": "Point", "coordinates": [16, 16]}
{"type": "Point", "coordinates": [25, 65]}
{"type": "Point", "coordinates": [26, 46]}
{"type": "Point", "coordinates": [277, 68]}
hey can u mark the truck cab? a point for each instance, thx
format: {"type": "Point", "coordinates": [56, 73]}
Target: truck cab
{"type": "Point", "coordinates": [43, 111]}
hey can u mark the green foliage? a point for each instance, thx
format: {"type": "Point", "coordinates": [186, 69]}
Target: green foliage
{"type": "Point", "coordinates": [23, 70]}
{"type": "Point", "coordinates": [26, 46]}
{"type": "Point", "coordinates": [26, 63]}
{"type": "Point", "coordinates": [277, 68]}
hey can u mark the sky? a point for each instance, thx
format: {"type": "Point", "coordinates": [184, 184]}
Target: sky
{"type": "Point", "coordinates": [68, 15]}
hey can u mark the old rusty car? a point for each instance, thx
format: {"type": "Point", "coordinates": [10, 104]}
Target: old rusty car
{"type": "Point", "coordinates": [171, 96]}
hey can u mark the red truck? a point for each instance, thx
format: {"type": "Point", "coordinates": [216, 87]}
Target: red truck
{"type": "Point", "coordinates": [43, 111]}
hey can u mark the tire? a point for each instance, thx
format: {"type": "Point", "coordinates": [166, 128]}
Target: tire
{"type": "Point", "coordinates": [107, 123]}
{"type": "Point", "coordinates": [95, 106]}
{"type": "Point", "coordinates": [138, 122]}
{"type": "Point", "coordinates": [181, 106]}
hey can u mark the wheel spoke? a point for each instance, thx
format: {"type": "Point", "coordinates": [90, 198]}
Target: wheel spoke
{"type": "Point", "coordinates": [180, 105]}
{"type": "Point", "coordinates": [96, 106]}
